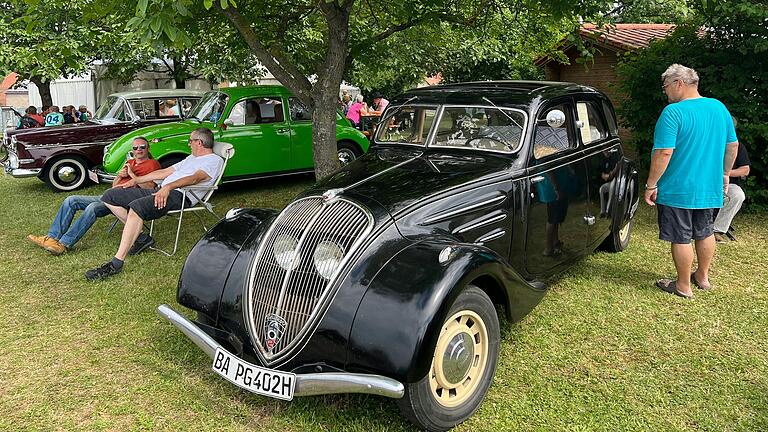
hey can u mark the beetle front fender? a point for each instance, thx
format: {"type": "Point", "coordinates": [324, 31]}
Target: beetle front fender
{"type": "Point", "coordinates": [400, 316]}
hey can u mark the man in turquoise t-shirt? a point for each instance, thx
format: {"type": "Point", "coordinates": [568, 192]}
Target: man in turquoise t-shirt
{"type": "Point", "coordinates": [54, 118]}
{"type": "Point", "coordinates": [694, 144]}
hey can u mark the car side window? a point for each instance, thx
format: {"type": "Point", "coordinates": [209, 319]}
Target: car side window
{"type": "Point", "coordinates": [265, 110]}
{"type": "Point", "coordinates": [553, 133]}
{"type": "Point", "coordinates": [592, 127]}
{"type": "Point", "coordinates": [187, 104]}
{"type": "Point", "coordinates": [608, 111]}
{"type": "Point", "coordinates": [299, 111]}
{"type": "Point", "coordinates": [237, 115]}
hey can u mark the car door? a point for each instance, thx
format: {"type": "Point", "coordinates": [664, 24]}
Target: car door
{"type": "Point", "coordinates": [301, 134]}
{"type": "Point", "coordinates": [257, 129]}
{"type": "Point", "coordinates": [558, 214]}
{"type": "Point", "coordinates": [602, 156]}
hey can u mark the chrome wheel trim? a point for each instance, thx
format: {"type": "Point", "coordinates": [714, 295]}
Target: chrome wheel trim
{"type": "Point", "coordinates": [624, 232]}
{"type": "Point", "coordinates": [346, 156]}
{"type": "Point", "coordinates": [66, 164]}
{"type": "Point", "coordinates": [460, 359]}
{"type": "Point", "coordinates": [66, 174]}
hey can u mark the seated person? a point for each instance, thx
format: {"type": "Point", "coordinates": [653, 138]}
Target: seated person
{"type": "Point", "coordinates": [252, 112]}
{"type": "Point", "coordinates": [734, 198]}
{"type": "Point", "coordinates": [134, 206]}
{"type": "Point", "coordinates": [54, 117]}
{"type": "Point", "coordinates": [63, 234]}
{"type": "Point", "coordinates": [31, 119]}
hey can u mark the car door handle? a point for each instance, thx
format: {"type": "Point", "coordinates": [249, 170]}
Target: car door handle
{"type": "Point", "coordinates": [589, 220]}
{"type": "Point", "coordinates": [282, 130]}
{"type": "Point", "coordinates": [537, 179]}
{"type": "Point", "coordinates": [613, 150]}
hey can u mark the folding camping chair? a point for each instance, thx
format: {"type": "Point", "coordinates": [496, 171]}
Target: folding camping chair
{"type": "Point", "coordinates": [202, 193]}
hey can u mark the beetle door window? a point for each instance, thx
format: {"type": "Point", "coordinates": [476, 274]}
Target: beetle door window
{"type": "Point", "coordinates": [299, 111]}
{"type": "Point", "coordinates": [553, 134]}
{"type": "Point", "coordinates": [407, 125]}
{"type": "Point", "coordinates": [591, 124]}
{"type": "Point", "coordinates": [187, 104]}
{"type": "Point", "coordinates": [480, 128]}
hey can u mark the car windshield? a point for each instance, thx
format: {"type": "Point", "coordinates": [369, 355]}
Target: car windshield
{"type": "Point", "coordinates": [409, 124]}
{"type": "Point", "coordinates": [112, 110]}
{"type": "Point", "coordinates": [210, 108]}
{"type": "Point", "coordinates": [481, 128]}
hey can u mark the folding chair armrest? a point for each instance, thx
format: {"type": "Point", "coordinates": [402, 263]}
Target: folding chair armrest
{"type": "Point", "coordinates": [198, 187]}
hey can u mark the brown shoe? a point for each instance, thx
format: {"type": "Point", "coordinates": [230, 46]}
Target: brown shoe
{"type": "Point", "coordinates": [53, 246]}
{"type": "Point", "coordinates": [38, 240]}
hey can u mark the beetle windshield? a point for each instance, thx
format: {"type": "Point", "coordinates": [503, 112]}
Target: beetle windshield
{"type": "Point", "coordinates": [407, 124]}
{"type": "Point", "coordinates": [481, 128]}
{"type": "Point", "coordinates": [210, 108]}
{"type": "Point", "coordinates": [112, 110]}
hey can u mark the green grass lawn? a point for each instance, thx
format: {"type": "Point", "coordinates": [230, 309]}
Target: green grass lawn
{"type": "Point", "coordinates": [605, 350]}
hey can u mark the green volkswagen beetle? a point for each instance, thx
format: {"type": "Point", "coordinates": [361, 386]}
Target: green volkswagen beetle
{"type": "Point", "coordinates": [270, 129]}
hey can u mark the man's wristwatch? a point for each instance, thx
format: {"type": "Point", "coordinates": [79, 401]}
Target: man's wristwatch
{"type": "Point", "coordinates": [651, 187]}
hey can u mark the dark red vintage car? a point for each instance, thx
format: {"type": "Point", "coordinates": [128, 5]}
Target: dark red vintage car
{"type": "Point", "coordinates": [62, 156]}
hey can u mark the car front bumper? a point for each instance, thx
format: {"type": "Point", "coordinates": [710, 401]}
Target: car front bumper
{"type": "Point", "coordinates": [23, 173]}
{"type": "Point", "coordinates": [306, 384]}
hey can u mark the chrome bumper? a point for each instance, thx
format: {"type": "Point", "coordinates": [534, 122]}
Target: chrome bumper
{"type": "Point", "coordinates": [104, 177]}
{"type": "Point", "coordinates": [22, 173]}
{"type": "Point", "coordinates": [306, 384]}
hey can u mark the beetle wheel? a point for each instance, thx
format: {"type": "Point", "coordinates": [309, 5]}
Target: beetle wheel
{"type": "Point", "coordinates": [462, 368]}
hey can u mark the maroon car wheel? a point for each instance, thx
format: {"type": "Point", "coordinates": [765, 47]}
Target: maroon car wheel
{"type": "Point", "coordinates": [66, 174]}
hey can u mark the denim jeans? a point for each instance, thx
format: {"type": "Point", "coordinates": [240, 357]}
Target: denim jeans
{"type": "Point", "coordinates": [69, 235]}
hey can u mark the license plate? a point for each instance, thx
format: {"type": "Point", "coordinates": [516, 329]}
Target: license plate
{"type": "Point", "coordinates": [259, 380]}
{"type": "Point", "coordinates": [93, 176]}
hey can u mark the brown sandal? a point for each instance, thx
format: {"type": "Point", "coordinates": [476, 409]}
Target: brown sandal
{"type": "Point", "coordinates": [699, 285]}
{"type": "Point", "coordinates": [670, 286]}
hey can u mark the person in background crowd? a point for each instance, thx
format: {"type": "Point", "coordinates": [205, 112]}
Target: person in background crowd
{"type": "Point", "coordinates": [694, 146]}
{"type": "Point", "coordinates": [346, 102]}
{"type": "Point", "coordinates": [54, 117]}
{"type": "Point", "coordinates": [171, 109]}
{"type": "Point", "coordinates": [63, 234]}
{"type": "Point", "coordinates": [31, 119]}
{"type": "Point", "coordinates": [46, 109]}
{"type": "Point", "coordinates": [734, 197]}
{"type": "Point", "coordinates": [379, 103]}
{"type": "Point", "coordinates": [69, 115]}
{"type": "Point", "coordinates": [356, 110]}
{"type": "Point", "coordinates": [85, 115]}
{"type": "Point", "coordinates": [134, 206]}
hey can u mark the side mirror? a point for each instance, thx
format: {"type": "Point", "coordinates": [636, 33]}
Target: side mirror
{"type": "Point", "coordinates": [229, 122]}
{"type": "Point", "coordinates": [555, 118]}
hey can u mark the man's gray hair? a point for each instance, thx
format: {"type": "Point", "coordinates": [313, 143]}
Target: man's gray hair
{"type": "Point", "coordinates": [682, 73]}
{"type": "Point", "coordinates": [359, 98]}
{"type": "Point", "coordinates": [205, 135]}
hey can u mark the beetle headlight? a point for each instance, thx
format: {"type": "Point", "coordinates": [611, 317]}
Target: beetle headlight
{"type": "Point", "coordinates": [285, 252]}
{"type": "Point", "coordinates": [327, 258]}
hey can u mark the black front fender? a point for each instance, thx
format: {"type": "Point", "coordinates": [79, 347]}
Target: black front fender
{"type": "Point", "coordinates": [209, 264]}
{"type": "Point", "coordinates": [399, 319]}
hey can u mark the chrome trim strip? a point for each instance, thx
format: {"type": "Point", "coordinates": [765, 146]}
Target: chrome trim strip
{"type": "Point", "coordinates": [306, 384]}
{"type": "Point", "coordinates": [443, 216]}
{"type": "Point", "coordinates": [482, 223]}
{"type": "Point", "coordinates": [490, 236]}
{"type": "Point", "coordinates": [22, 173]}
{"type": "Point", "coordinates": [59, 145]}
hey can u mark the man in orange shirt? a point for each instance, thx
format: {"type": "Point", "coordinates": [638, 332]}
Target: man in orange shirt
{"type": "Point", "coordinates": [64, 234]}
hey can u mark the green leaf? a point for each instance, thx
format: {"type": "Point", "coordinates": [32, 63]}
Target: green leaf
{"type": "Point", "coordinates": [171, 32]}
{"type": "Point", "coordinates": [155, 24]}
{"type": "Point", "coordinates": [208, 4]}
{"type": "Point", "coordinates": [142, 6]}
{"type": "Point", "coordinates": [223, 4]}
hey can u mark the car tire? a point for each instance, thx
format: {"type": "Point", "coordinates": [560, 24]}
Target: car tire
{"type": "Point", "coordinates": [66, 173]}
{"type": "Point", "coordinates": [347, 152]}
{"type": "Point", "coordinates": [459, 378]}
{"type": "Point", "coordinates": [170, 160]}
{"type": "Point", "coordinates": [619, 238]}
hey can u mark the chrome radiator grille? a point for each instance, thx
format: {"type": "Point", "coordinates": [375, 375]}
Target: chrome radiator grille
{"type": "Point", "coordinates": [288, 290]}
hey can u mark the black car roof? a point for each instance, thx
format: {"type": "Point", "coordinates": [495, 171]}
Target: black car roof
{"type": "Point", "coordinates": [504, 93]}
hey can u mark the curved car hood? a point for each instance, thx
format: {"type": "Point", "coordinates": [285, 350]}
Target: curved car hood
{"type": "Point", "coordinates": [398, 177]}
{"type": "Point", "coordinates": [165, 130]}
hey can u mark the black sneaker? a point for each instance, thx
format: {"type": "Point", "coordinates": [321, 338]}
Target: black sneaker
{"type": "Point", "coordinates": [142, 243]}
{"type": "Point", "coordinates": [102, 272]}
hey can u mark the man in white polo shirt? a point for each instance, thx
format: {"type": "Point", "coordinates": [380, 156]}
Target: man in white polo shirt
{"type": "Point", "coordinates": [134, 206]}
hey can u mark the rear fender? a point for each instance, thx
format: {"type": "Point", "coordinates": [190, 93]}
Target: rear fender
{"type": "Point", "coordinates": [627, 194]}
{"type": "Point", "coordinates": [399, 319]}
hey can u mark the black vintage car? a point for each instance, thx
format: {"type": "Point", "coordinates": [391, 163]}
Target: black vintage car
{"type": "Point", "coordinates": [386, 277]}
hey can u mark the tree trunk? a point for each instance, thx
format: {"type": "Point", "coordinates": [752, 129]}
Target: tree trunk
{"type": "Point", "coordinates": [44, 87]}
{"type": "Point", "coordinates": [326, 90]}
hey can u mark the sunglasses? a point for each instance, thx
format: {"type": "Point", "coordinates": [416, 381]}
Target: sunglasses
{"type": "Point", "coordinates": [140, 147]}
